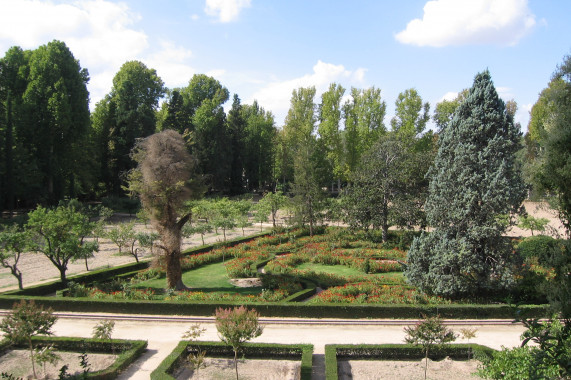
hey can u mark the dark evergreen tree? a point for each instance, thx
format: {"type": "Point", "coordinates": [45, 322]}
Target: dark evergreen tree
{"type": "Point", "coordinates": [259, 146]}
{"type": "Point", "coordinates": [57, 119]}
{"type": "Point", "coordinates": [474, 182]}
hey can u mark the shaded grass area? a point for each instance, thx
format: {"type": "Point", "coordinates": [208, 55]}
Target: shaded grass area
{"type": "Point", "coordinates": [208, 278]}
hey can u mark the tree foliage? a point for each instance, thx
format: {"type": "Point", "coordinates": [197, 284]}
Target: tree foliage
{"type": "Point", "coordinates": [389, 187]}
{"type": "Point", "coordinates": [13, 242]}
{"type": "Point", "coordinates": [25, 321]}
{"type": "Point", "coordinates": [550, 129]}
{"type": "Point", "coordinates": [411, 114]}
{"type": "Point", "coordinates": [473, 181]}
{"type": "Point", "coordinates": [236, 327]}
{"type": "Point", "coordinates": [59, 234]}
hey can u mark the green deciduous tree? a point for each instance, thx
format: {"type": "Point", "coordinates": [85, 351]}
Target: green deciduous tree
{"type": "Point", "coordinates": [473, 182]}
{"type": "Point", "coordinates": [13, 242]}
{"type": "Point", "coordinates": [164, 179]}
{"type": "Point", "coordinates": [329, 129]}
{"type": "Point", "coordinates": [59, 235]}
{"type": "Point", "coordinates": [444, 110]}
{"type": "Point", "coordinates": [364, 124]}
{"type": "Point", "coordinates": [428, 333]}
{"type": "Point", "coordinates": [389, 187]}
{"type": "Point", "coordinates": [126, 114]}
{"type": "Point", "coordinates": [57, 119]}
{"type": "Point", "coordinates": [236, 327]}
{"type": "Point", "coordinates": [259, 146]}
{"type": "Point", "coordinates": [552, 126]}
{"type": "Point", "coordinates": [25, 321]}
{"type": "Point", "coordinates": [411, 115]}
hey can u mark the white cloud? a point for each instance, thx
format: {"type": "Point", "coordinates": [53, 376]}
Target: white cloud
{"type": "Point", "coordinates": [456, 22]}
{"type": "Point", "coordinates": [276, 95]}
{"type": "Point", "coordinates": [449, 96]}
{"type": "Point", "coordinates": [172, 64]}
{"type": "Point", "coordinates": [99, 33]}
{"type": "Point", "coordinates": [226, 10]}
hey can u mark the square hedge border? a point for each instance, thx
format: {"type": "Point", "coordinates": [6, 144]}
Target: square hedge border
{"type": "Point", "coordinates": [285, 308]}
{"type": "Point", "coordinates": [334, 352]}
{"type": "Point", "coordinates": [130, 351]}
{"type": "Point", "coordinates": [303, 352]}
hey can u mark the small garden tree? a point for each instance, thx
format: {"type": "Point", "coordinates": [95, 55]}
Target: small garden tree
{"type": "Point", "coordinates": [25, 321]}
{"type": "Point", "coordinates": [59, 234]}
{"type": "Point", "coordinates": [271, 203]}
{"type": "Point", "coordinates": [122, 235]}
{"type": "Point", "coordinates": [103, 330]}
{"type": "Point", "coordinates": [236, 327]}
{"type": "Point", "coordinates": [13, 242]}
{"type": "Point", "coordinates": [528, 222]}
{"type": "Point", "coordinates": [195, 360]}
{"type": "Point", "coordinates": [428, 333]}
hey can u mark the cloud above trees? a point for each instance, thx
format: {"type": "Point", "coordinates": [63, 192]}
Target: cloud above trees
{"type": "Point", "coordinates": [476, 22]}
{"type": "Point", "coordinates": [226, 10]}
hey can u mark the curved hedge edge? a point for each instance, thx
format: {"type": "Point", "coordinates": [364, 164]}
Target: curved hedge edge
{"type": "Point", "coordinates": [304, 294]}
{"type": "Point", "coordinates": [252, 350]}
{"type": "Point", "coordinates": [89, 345]}
{"type": "Point", "coordinates": [396, 351]}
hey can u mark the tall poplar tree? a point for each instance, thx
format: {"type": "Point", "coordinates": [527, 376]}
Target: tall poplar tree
{"type": "Point", "coordinates": [474, 181]}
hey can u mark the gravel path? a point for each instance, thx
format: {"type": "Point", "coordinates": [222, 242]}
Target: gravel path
{"type": "Point", "coordinates": [165, 333]}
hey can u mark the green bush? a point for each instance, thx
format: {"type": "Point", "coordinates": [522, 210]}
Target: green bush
{"type": "Point", "coordinates": [517, 363]}
{"type": "Point", "coordinates": [303, 352]}
{"type": "Point", "coordinates": [542, 247]}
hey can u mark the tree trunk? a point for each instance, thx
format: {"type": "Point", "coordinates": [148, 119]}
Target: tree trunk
{"type": "Point", "coordinates": [62, 276]}
{"type": "Point", "coordinates": [174, 271]}
{"type": "Point", "coordinates": [236, 363]}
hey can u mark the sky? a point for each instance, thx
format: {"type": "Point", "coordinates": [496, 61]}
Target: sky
{"type": "Point", "coordinates": [264, 49]}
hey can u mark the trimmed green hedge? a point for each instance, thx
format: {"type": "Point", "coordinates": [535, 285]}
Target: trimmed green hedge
{"type": "Point", "coordinates": [129, 350]}
{"type": "Point", "coordinates": [334, 352]}
{"type": "Point", "coordinates": [278, 309]}
{"type": "Point", "coordinates": [303, 352]}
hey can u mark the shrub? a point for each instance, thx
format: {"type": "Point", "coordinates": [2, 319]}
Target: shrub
{"type": "Point", "coordinates": [542, 247]}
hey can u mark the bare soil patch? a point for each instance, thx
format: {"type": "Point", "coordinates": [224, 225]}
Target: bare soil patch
{"type": "Point", "coordinates": [17, 363]}
{"type": "Point", "coordinates": [248, 369]}
{"type": "Point", "coordinates": [246, 282]}
{"type": "Point", "coordinates": [446, 369]}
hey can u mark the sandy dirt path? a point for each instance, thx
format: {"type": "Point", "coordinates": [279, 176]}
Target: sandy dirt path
{"type": "Point", "coordinates": [163, 336]}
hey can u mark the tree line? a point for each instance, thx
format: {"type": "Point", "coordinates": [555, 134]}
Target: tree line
{"type": "Point", "coordinates": [52, 147]}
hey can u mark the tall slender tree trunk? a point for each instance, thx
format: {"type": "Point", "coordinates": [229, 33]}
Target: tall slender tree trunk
{"type": "Point", "coordinates": [8, 157]}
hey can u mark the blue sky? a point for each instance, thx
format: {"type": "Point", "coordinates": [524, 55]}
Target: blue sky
{"type": "Point", "coordinates": [263, 49]}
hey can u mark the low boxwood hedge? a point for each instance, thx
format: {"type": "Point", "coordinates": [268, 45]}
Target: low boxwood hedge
{"type": "Point", "coordinates": [334, 352]}
{"type": "Point", "coordinates": [303, 352]}
{"type": "Point", "coordinates": [280, 309]}
{"type": "Point", "coordinates": [128, 351]}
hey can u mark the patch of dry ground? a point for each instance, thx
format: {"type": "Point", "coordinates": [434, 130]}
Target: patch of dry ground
{"type": "Point", "coordinates": [446, 369]}
{"type": "Point", "coordinates": [248, 369]}
{"type": "Point", "coordinates": [17, 363]}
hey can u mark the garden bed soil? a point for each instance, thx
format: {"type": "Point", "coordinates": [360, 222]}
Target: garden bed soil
{"type": "Point", "coordinates": [446, 369]}
{"type": "Point", "coordinates": [17, 363]}
{"type": "Point", "coordinates": [248, 369]}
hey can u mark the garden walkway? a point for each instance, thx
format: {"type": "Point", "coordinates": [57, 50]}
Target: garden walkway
{"type": "Point", "coordinates": [164, 332]}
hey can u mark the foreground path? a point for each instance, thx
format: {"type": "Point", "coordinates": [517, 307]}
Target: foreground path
{"type": "Point", "coordinates": [164, 332]}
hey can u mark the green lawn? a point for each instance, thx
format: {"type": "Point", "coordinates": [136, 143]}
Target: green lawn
{"type": "Point", "coordinates": [343, 270]}
{"type": "Point", "coordinates": [340, 270]}
{"type": "Point", "coordinates": [208, 278]}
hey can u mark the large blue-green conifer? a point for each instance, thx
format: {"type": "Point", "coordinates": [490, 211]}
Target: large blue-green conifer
{"type": "Point", "coordinates": [474, 182]}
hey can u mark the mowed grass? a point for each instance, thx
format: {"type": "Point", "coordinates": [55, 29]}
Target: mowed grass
{"type": "Point", "coordinates": [208, 278]}
{"type": "Point", "coordinates": [342, 270]}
